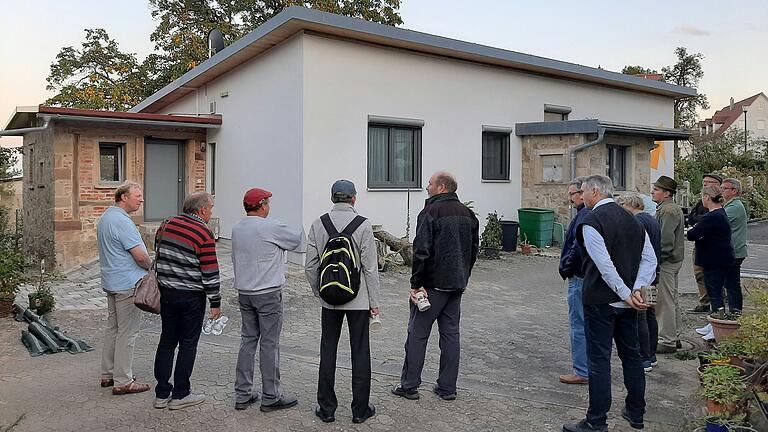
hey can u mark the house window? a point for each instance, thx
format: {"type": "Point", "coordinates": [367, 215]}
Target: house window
{"type": "Point", "coordinates": [556, 112]}
{"type": "Point", "coordinates": [761, 124]}
{"type": "Point", "coordinates": [110, 163]}
{"type": "Point", "coordinates": [394, 156]}
{"type": "Point", "coordinates": [495, 156]}
{"type": "Point", "coordinates": [616, 166]}
{"type": "Point", "coordinates": [552, 168]}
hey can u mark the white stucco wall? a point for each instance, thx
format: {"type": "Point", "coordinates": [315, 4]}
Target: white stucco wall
{"type": "Point", "coordinates": [344, 82]}
{"type": "Point", "coordinates": [259, 143]}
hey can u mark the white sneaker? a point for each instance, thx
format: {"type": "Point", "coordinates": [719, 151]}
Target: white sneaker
{"type": "Point", "coordinates": [709, 336]}
{"type": "Point", "coordinates": [208, 326]}
{"type": "Point", "coordinates": [704, 330]}
{"type": "Point", "coordinates": [190, 400]}
{"type": "Point", "coordinates": [161, 403]}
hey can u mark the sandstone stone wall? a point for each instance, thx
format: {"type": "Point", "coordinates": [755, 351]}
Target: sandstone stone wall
{"type": "Point", "coordinates": [538, 193]}
{"type": "Point", "coordinates": [77, 197]}
{"type": "Point", "coordinates": [15, 190]}
{"type": "Point", "coordinates": [38, 196]}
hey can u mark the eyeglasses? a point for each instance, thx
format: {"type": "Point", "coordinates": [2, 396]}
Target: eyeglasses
{"type": "Point", "coordinates": [574, 193]}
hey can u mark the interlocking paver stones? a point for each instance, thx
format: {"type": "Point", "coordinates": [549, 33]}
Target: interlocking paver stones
{"type": "Point", "coordinates": [514, 346]}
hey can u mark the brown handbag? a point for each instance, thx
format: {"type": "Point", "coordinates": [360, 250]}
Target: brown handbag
{"type": "Point", "coordinates": [147, 294]}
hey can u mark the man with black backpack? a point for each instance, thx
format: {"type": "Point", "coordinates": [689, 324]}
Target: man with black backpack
{"type": "Point", "coordinates": [342, 269]}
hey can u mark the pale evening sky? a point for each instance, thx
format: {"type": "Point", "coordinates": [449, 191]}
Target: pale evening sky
{"type": "Point", "coordinates": [732, 37]}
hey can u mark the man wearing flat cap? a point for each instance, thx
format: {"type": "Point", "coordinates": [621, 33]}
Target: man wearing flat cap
{"type": "Point", "coordinates": [258, 247]}
{"type": "Point", "coordinates": [694, 215]}
{"type": "Point", "coordinates": [365, 304]}
{"type": "Point", "coordinates": [672, 223]}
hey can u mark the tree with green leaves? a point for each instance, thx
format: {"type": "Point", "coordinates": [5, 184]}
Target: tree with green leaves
{"type": "Point", "coordinates": [97, 76]}
{"type": "Point", "coordinates": [637, 70]}
{"type": "Point", "coordinates": [183, 25]}
{"type": "Point", "coordinates": [687, 72]}
{"type": "Point", "coordinates": [8, 159]}
{"type": "Point", "coordinates": [100, 76]}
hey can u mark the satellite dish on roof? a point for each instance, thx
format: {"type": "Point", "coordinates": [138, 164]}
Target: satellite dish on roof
{"type": "Point", "coordinates": [215, 42]}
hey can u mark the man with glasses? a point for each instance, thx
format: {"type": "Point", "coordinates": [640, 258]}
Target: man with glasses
{"type": "Point", "coordinates": [694, 216]}
{"type": "Point", "coordinates": [570, 270]}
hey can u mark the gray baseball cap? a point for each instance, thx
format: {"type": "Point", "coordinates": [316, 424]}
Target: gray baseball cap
{"type": "Point", "coordinates": [343, 189]}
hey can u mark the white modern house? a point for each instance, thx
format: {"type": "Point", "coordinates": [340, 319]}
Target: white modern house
{"type": "Point", "coordinates": [311, 97]}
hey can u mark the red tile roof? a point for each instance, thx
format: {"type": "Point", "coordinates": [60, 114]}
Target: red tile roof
{"type": "Point", "coordinates": [727, 116]}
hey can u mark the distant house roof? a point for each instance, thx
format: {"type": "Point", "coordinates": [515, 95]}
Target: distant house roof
{"type": "Point", "coordinates": [295, 19]}
{"type": "Point", "coordinates": [727, 116]}
{"type": "Point", "coordinates": [653, 76]}
{"type": "Point", "coordinates": [593, 126]}
{"type": "Point", "coordinates": [24, 117]}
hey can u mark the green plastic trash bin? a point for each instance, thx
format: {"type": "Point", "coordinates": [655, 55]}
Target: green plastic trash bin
{"type": "Point", "coordinates": [536, 225]}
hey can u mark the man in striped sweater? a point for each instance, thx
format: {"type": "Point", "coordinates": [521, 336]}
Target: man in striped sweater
{"type": "Point", "coordinates": [187, 273]}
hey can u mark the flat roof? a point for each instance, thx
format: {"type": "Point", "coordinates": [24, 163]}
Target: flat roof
{"type": "Point", "coordinates": [295, 19]}
{"type": "Point", "coordinates": [24, 117]}
{"type": "Point", "coordinates": [592, 127]}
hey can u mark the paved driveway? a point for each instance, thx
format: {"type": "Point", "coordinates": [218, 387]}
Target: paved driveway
{"type": "Point", "coordinates": [514, 345]}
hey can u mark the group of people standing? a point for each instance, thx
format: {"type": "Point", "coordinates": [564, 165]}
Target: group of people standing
{"type": "Point", "coordinates": [603, 261]}
{"type": "Point", "coordinates": [444, 251]}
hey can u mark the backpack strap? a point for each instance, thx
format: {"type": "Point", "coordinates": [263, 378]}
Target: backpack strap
{"type": "Point", "coordinates": [329, 227]}
{"type": "Point", "coordinates": [353, 226]}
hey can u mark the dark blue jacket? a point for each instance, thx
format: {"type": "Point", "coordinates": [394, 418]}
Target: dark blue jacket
{"type": "Point", "coordinates": [570, 256]}
{"type": "Point", "coordinates": [712, 234]}
{"type": "Point", "coordinates": [446, 244]}
{"type": "Point", "coordinates": [653, 230]}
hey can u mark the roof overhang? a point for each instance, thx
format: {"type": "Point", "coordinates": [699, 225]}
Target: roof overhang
{"type": "Point", "coordinates": [26, 117]}
{"type": "Point", "coordinates": [593, 126]}
{"type": "Point", "coordinates": [296, 19]}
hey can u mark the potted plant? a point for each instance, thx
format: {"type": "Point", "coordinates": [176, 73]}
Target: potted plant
{"type": "Point", "coordinates": [490, 245]}
{"type": "Point", "coordinates": [723, 324]}
{"type": "Point", "coordinates": [726, 423]}
{"type": "Point", "coordinates": [714, 357]}
{"type": "Point", "coordinates": [11, 267]}
{"type": "Point", "coordinates": [42, 300]}
{"type": "Point", "coordinates": [721, 387]}
{"type": "Point", "coordinates": [733, 348]}
{"type": "Point", "coordinates": [525, 246]}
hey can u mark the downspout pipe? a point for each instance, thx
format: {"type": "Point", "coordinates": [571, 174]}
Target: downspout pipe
{"type": "Point", "coordinates": [583, 146]}
{"type": "Point", "coordinates": [20, 132]}
{"type": "Point", "coordinates": [580, 147]}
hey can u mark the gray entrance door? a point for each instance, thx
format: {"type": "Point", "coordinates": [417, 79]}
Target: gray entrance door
{"type": "Point", "coordinates": [163, 178]}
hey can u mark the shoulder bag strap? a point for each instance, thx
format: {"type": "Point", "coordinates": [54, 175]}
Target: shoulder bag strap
{"type": "Point", "coordinates": [328, 224]}
{"type": "Point", "coordinates": [353, 226]}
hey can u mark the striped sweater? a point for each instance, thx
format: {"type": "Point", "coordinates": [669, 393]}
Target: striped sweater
{"type": "Point", "coordinates": [186, 258]}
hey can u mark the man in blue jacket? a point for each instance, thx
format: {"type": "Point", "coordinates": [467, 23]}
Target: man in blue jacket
{"type": "Point", "coordinates": [570, 269]}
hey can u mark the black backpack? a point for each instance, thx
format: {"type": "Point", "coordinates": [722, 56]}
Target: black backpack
{"type": "Point", "coordinates": [339, 278]}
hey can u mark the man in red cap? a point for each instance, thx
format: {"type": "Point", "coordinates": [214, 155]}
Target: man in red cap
{"type": "Point", "coordinates": [258, 247]}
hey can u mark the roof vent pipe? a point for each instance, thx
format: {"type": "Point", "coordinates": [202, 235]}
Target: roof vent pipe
{"type": "Point", "coordinates": [731, 104]}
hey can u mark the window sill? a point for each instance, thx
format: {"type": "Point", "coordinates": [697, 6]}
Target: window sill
{"type": "Point", "coordinates": [112, 185]}
{"type": "Point", "coordinates": [414, 189]}
{"type": "Point", "coordinates": [495, 181]}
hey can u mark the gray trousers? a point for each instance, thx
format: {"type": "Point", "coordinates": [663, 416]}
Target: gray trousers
{"type": "Point", "coordinates": [262, 316]}
{"type": "Point", "coordinates": [446, 310]}
{"type": "Point", "coordinates": [123, 323]}
{"type": "Point", "coordinates": [667, 306]}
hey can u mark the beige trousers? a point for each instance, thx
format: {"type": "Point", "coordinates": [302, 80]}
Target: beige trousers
{"type": "Point", "coordinates": [667, 306]}
{"type": "Point", "coordinates": [120, 337]}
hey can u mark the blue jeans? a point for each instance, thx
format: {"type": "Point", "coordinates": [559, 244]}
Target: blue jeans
{"type": "Point", "coordinates": [576, 317]}
{"type": "Point", "coordinates": [606, 324]}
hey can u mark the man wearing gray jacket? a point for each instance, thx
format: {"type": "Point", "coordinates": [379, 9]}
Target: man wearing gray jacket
{"type": "Point", "coordinates": [258, 246]}
{"type": "Point", "coordinates": [358, 311]}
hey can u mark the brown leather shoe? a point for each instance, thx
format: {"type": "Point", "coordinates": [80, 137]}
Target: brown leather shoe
{"type": "Point", "coordinates": [131, 387]}
{"type": "Point", "coordinates": [573, 379]}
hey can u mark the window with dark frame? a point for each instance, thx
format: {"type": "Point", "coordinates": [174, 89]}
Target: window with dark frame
{"type": "Point", "coordinates": [394, 156]}
{"type": "Point", "coordinates": [495, 156]}
{"type": "Point", "coordinates": [616, 166]}
{"type": "Point", "coordinates": [110, 163]}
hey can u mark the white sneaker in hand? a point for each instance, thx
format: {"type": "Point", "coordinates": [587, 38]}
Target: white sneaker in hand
{"type": "Point", "coordinates": [709, 336]}
{"type": "Point", "coordinates": [219, 324]}
{"type": "Point", "coordinates": [704, 330]}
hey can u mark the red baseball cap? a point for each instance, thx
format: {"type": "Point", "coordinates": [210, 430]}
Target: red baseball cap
{"type": "Point", "coordinates": [255, 196]}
